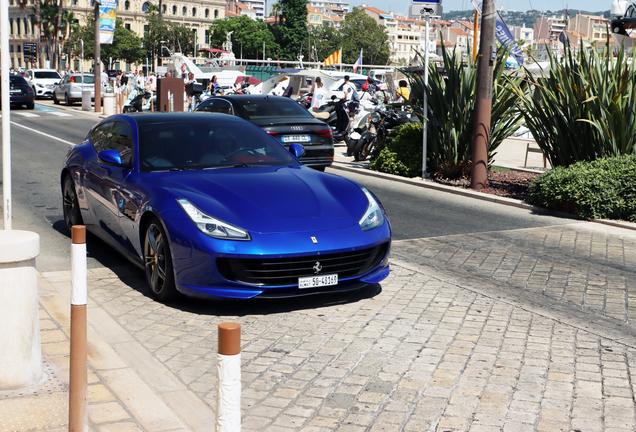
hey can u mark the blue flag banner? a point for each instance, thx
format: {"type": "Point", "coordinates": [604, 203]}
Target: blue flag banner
{"type": "Point", "coordinates": [107, 19]}
{"type": "Point", "coordinates": [504, 36]}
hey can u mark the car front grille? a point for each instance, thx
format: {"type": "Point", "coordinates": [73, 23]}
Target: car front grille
{"type": "Point", "coordinates": [286, 271]}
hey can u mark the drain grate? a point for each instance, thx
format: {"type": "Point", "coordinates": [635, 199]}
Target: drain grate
{"type": "Point", "coordinates": [49, 384]}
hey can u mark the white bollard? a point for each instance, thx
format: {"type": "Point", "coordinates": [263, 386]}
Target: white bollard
{"type": "Point", "coordinates": [109, 102]}
{"type": "Point", "coordinates": [86, 100]}
{"type": "Point", "coordinates": [21, 351]}
{"type": "Point", "coordinates": [228, 374]}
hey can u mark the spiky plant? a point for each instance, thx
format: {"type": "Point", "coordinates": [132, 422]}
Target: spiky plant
{"type": "Point", "coordinates": [586, 108]}
{"type": "Point", "coordinates": [451, 97]}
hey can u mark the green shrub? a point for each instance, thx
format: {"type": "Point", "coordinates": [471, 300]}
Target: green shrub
{"type": "Point", "coordinates": [400, 153]}
{"type": "Point", "coordinates": [601, 189]}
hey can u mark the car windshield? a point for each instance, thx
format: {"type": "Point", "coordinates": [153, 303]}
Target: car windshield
{"type": "Point", "coordinates": [271, 108]}
{"type": "Point", "coordinates": [203, 144]}
{"type": "Point", "coordinates": [47, 74]}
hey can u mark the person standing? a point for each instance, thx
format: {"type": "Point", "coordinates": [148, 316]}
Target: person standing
{"type": "Point", "coordinates": [318, 97]}
{"type": "Point", "coordinates": [103, 76]}
{"type": "Point", "coordinates": [403, 92]}
{"type": "Point", "coordinates": [351, 95]}
{"type": "Point", "coordinates": [140, 80]}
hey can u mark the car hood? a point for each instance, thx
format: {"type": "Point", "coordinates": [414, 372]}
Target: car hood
{"type": "Point", "coordinates": [272, 199]}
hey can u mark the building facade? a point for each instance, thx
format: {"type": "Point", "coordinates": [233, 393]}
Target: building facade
{"type": "Point", "coordinates": [197, 15]}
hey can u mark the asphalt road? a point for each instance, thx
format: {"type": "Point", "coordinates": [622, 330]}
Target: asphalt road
{"type": "Point", "coordinates": [41, 138]}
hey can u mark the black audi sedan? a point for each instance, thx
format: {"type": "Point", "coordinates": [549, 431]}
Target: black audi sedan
{"type": "Point", "coordinates": [20, 91]}
{"type": "Point", "coordinates": [283, 119]}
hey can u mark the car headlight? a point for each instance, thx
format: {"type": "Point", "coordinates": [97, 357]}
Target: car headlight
{"type": "Point", "coordinates": [374, 216]}
{"type": "Point", "coordinates": [211, 226]}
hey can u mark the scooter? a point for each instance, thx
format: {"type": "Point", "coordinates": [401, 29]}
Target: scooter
{"type": "Point", "coordinates": [139, 100]}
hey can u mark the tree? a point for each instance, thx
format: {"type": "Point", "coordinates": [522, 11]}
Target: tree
{"type": "Point", "coordinates": [292, 29]}
{"type": "Point", "coordinates": [126, 46]}
{"type": "Point", "coordinates": [247, 38]}
{"type": "Point", "coordinates": [360, 31]}
{"type": "Point", "coordinates": [322, 41]}
{"type": "Point", "coordinates": [70, 24]}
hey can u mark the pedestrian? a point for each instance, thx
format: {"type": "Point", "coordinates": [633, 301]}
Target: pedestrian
{"type": "Point", "coordinates": [403, 92]}
{"type": "Point", "coordinates": [140, 80]}
{"type": "Point", "coordinates": [123, 81]}
{"type": "Point", "coordinates": [103, 77]}
{"type": "Point", "coordinates": [189, 80]}
{"type": "Point", "coordinates": [168, 75]}
{"type": "Point", "coordinates": [318, 96]}
{"type": "Point", "coordinates": [351, 95]}
{"type": "Point", "coordinates": [214, 88]}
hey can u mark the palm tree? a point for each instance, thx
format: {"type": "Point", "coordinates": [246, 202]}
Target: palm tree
{"type": "Point", "coordinates": [70, 23]}
{"type": "Point", "coordinates": [37, 14]}
{"type": "Point", "coordinates": [58, 27]}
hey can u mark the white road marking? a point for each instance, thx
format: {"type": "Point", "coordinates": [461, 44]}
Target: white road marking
{"type": "Point", "coordinates": [60, 114]}
{"type": "Point", "coordinates": [27, 114]}
{"type": "Point", "coordinates": [42, 133]}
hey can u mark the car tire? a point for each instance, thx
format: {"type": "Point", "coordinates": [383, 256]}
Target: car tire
{"type": "Point", "coordinates": [35, 95]}
{"type": "Point", "coordinates": [158, 262]}
{"type": "Point", "coordinates": [30, 106]}
{"type": "Point", "coordinates": [70, 204]}
{"type": "Point", "coordinates": [67, 99]}
{"type": "Point", "coordinates": [55, 99]}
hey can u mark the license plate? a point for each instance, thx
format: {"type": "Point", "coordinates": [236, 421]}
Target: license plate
{"type": "Point", "coordinates": [18, 91]}
{"type": "Point", "coordinates": [318, 281]}
{"type": "Point", "coordinates": [296, 138]}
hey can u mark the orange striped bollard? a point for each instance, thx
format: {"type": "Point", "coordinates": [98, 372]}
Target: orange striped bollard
{"type": "Point", "coordinates": [228, 375]}
{"type": "Point", "coordinates": [78, 390]}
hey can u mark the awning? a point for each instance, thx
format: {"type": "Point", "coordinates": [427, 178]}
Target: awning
{"type": "Point", "coordinates": [252, 80]}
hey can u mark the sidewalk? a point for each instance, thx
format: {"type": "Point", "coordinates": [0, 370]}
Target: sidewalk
{"type": "Point", "coordinates": [479, 339]}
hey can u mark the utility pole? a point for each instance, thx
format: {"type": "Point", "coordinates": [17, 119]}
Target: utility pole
{"type": "Point", "coordinates": [98, 61]}
{"type": "Point", "coordinates": [483, 105]}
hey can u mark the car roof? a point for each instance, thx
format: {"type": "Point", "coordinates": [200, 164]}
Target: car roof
{"type": "Point", "coordinates": [43, 70]}
{"type": "Point", "coordinates": [169, 117]}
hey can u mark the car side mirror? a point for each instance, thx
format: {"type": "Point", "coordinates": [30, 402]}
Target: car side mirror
{"type": "Point", "coordinates": [110, 156]}
{"type": "Point", "coordinates": [297, 149]}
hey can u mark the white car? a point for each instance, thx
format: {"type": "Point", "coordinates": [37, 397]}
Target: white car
{"type": "Point", "coordinates": [42, 81]}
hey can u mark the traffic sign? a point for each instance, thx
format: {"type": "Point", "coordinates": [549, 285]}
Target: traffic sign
{"type": "Point", "coordinates": [426, 8]}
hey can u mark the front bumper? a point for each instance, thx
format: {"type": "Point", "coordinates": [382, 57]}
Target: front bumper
{"type": "Point", "coordinates": [195, 256]}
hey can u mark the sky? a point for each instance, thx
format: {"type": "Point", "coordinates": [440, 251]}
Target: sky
{"type": "Point", "coordinates": [400, 6]}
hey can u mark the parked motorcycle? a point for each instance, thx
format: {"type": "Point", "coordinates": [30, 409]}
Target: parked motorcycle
{"type": "Point", "coordinates": [380, 123]}
{"type": "Point", "coordinates": [139, 100]}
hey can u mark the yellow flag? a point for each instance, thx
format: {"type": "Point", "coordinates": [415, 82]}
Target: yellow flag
{"type": "Point", "coordinates": [335, 58]}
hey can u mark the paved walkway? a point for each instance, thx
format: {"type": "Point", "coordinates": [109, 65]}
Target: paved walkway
{"type": "Point", "coordinates": [520, 330]}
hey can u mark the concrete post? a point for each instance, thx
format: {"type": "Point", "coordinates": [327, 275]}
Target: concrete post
{"type": "Point", "coordinates": [109, 103]}
{"type": "Point", "coordinates": [21, 354]}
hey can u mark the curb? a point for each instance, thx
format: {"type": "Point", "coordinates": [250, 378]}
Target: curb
{"type": "Point", "coordinates": [417, 181]}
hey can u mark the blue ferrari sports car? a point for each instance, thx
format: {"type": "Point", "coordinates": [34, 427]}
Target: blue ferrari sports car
{"type": "Point", "coordinates": [210, 205]}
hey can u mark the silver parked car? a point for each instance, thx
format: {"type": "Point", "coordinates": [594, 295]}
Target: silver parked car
{"type": "Point", "coordinates": [70, 88]}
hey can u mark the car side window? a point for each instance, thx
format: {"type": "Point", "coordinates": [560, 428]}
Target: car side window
{"type": "Point", "coordinates": [99, 135]}
{"type": "Point", "coordinates": [122, 142]}
{"type": "Point", "coordinates": [219, 106]}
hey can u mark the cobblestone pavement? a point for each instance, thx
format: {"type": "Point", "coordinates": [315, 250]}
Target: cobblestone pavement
{"type": "Point", "coordinates": [458, 337]}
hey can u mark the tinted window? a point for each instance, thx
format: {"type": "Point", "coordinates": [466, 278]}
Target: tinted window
{"type": "Point", "coordinates": [100, 135]}
{"type": "Point", "coordinates": [47, 74]}
{"type": "Point", "coordinates": [273, 108]}
{"type": "Point", "coordinates": [88, 79]}
{"type": "Point", "coordinates": [216, 106]}
{"type": "Point", "coordinates": [201, 143]}
{"type": "Point", "coordinates": [17, 80]}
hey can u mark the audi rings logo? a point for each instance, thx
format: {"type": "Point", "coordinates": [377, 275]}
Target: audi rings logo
{"type": "Point", "coordinates": [317, 267]}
